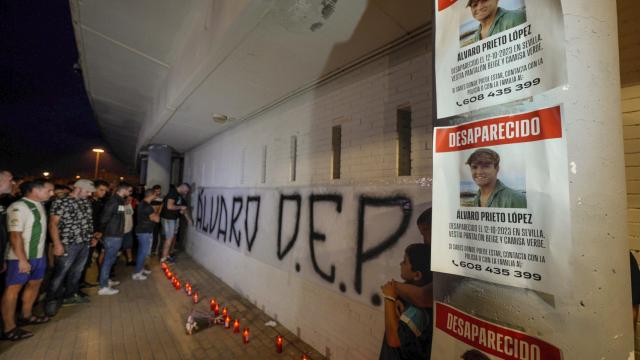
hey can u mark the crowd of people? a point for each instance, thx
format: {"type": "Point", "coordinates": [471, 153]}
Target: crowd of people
{"type": "Point", "coordinates": [50, 234]}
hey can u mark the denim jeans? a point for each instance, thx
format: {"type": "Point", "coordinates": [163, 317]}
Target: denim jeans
{"type": "Point", "coordinates": [145, 241]}
{"type": "Point", "coordinates": [68, 270]}
{"type": "Point", "coordinates": [111, 247]}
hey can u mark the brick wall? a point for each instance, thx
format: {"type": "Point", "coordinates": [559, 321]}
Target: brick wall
{"type": "Point", "coordinates": [631, 122]}
{"type": "Point", "coordinates": [364, 102]}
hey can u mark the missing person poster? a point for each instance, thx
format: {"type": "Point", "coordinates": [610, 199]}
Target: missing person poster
{"type": "Point", "coordinates": [491, 52]}
{"type": "Point", "coordinates": [500, 187]}
{"type": "Point", "coordinates": [458, 335]}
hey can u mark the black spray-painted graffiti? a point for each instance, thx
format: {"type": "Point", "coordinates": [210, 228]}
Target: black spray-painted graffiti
{"type": "Point", "coordinates": [220, 218]}
{"type": "Point", "coordinates": [214, 217]}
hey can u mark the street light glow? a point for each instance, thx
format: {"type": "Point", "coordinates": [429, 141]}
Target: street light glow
{"type": "Point", "coordinates": [46, 173]}
{"type": "Point", "coordinates": [98, 151]}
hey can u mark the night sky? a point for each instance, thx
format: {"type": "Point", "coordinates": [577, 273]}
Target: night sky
{"type": "Point", "coordinates": [46, 121]}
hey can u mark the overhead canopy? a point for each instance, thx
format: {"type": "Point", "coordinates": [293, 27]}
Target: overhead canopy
{"type": "Point", "coordinates": [157, 71]}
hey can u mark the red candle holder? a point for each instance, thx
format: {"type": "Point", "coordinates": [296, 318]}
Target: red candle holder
{"type": "Point", "coordinates": [279, 344]}
{"type": "Point", "coordinates": [187, 286]}
{"type": "Point", "coordinates": [212, 304]}
{"type": "Point", "coordinates": [245, 335]}
{"type": "Point", "coordinates": [196, 297]}
{"type": "Point", "coordinates": [178, 287]}
{"type": "Point", "coordinates": [225, 312]}
{"type": "Point", "coordinates": [236, 326]}
{"type": "Point", "coordinates": [188, 289]}
{"type": "Point", "coordinates": [163, 265]}
{"type": "Point", "coordinates": [216, 310]}
{"type": "Point", "coordinates": [227, 322]}
{"type": "Point", "coordinates": [304, 357]}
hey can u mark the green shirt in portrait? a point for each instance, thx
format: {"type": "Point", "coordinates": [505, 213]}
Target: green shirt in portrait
{"type": "Point", "coordinates": [503, 197]}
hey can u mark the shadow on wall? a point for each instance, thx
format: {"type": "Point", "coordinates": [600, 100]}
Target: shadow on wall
{"type": "Point", "coordinates": [353, 136]}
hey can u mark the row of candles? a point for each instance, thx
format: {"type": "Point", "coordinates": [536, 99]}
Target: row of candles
{"type": "Point", "coordinates": [215, 308]}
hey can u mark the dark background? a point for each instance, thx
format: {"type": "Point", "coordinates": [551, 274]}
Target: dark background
{"type": "Point", "coordinates": [46, 120]}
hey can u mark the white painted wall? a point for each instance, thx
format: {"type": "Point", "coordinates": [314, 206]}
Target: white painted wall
{"type": "Point", "coordinates": [364, 102]}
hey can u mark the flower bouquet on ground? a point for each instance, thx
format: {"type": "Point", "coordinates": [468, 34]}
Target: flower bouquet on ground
{"type": "Point", "coordinates": [198, 320]}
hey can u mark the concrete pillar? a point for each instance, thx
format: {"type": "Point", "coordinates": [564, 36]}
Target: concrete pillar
{"type": "Point", "coordinates": [599, 298]}
{"type": "Point", "coordinates": [590, 317]}
{"type": "Point", "coordinates": [159, 166]}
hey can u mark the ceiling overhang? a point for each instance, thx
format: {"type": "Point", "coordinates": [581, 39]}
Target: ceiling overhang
{"type": "Point", "coordinates": [157, 71]}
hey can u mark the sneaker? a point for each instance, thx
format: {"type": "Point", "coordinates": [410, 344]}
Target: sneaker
{"type": "Point", "coordinates": [108, 291]}
{"type": "Point", "coordinates": [113, 283]}
{"type": "Point", "coordinates": [138, 276]}
{"type": "Point", "coordinates": [146, 272]}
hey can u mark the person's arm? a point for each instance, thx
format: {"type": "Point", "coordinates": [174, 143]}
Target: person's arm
{"type": "Point", "coordinates": [171, 205]}
{"type": "Point", "coordinates": [187, 215]}
{"type": "Point", "coordinates": [17, 244]}
{"type": "Point", "coordinates": [153, 215]}
{"type": "Point", "coordinates": [391, 319]}
{"type": "Point", "coordinates": [418, 296]}
{"type": "Point", "coordinates": [16, 225]}
{"type": "Point", "coordinates": [58, 248]}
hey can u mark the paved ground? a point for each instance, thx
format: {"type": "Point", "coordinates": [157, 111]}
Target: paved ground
{"type": "Point", "coordinates": [146, 321]}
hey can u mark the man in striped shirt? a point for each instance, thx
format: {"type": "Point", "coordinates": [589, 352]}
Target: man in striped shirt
{"type": "Point", "coordinates": [26, 263]}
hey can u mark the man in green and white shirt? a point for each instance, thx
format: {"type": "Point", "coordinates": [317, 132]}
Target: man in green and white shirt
{"type": "Point", "coordinates": [26, 263]}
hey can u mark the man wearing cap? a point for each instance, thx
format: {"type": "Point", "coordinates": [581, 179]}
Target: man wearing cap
{"type": "Point", "coordinates": [484, 165]}
{"type": "Point", "coordinates": [71, 229]}
{"type": "Point", "coordinates": [493, 19]}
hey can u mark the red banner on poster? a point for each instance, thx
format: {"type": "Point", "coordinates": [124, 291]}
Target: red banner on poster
{"type": "Point", "coordinates": [493, 339]}
{"type": "Point", "coordinates": [443, 4]}
{"type": "Point", "coordinates": [532, 126]}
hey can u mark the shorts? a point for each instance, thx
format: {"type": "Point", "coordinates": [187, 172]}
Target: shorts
{"type": "Point", "coordinates": [15, 277]}
{"type": "Point", "coordinates": [127, 240]}
{"type": "Point", "coordinates": [170, 227]}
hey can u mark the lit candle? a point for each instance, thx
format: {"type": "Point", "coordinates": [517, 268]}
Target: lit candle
{"type": "Point", "coordinates": [178, 284]}
{"type": "Point", "coordinates": [212, 304]}
{"type": "Point", "coordinates": [279, 342]}
{"type": "Point", "coordinates": [224, 312]}
{"type": "Point", "coordinates": [227, 322]}
{"type": "Point", "coordinates": [236, 326]}
{"type": "Point", "coordinates": [163, 265]}
{"type": "Point", "coordinates": [216, 310]}
{"type": "Point", "coordinates": [304, 357]}
{"type": "Point", "coordinates": [188, 289]}
{"type": "Point", "coordinates": [196, 298]}
{"type": "Point", "coordinates": [245, 335]}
